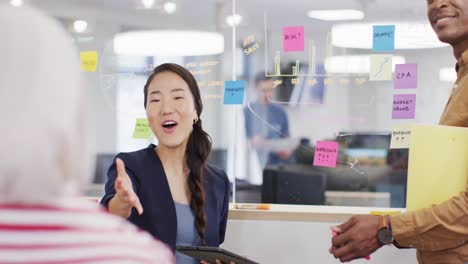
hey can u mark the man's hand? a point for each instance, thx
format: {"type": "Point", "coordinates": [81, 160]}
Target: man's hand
{"type": "Point", "coordinates": [356, 238]}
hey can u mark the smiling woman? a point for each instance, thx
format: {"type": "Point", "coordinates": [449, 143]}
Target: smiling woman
{"type": "Point", "coordinates": [177, 196]}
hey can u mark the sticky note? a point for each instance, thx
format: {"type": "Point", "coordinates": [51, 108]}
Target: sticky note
{"type": "Point", "coordinates": [293, 38]}
{"type": "Point", "coordinates": [404, 106]}
{"type": "Point", "coordinates": [326, 154]}
{"type": "Point", "coordinates": [384, 38]}
{"type": "Point", "coordinates": [401, 136]}
{"type": "Point", "coordinates": [406, 76]}
{"type": "Point", "coordinates": [381, 67]}
{"type": "Point", "coordinates": [234, 92]}
{"type": "Point", "coordinates": [437, 165]}
{"type": "Point", "coordinates": [89, 61]}
{"type": "Point", "coordinates": [142, 129]}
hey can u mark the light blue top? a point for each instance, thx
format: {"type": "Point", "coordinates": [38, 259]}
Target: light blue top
{"type": "Point", "coordinates": [187, 234]}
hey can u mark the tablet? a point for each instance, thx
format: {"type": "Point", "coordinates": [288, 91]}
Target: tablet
{"type": "Point", "coordinates": [211, 254]}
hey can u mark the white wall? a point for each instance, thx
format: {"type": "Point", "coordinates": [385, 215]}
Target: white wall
{"type": "Point", "coordinates": [296, 242]}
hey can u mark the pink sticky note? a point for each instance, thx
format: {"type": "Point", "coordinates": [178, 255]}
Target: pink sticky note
{"type": "Point", "coordinates": [406, 76]}
{"type": "Point", "coordinates": [293, 38]}
{"type": "Point", "coordinates": [326, 154]}
{"type": "Point", "coordinates": [404, 106]}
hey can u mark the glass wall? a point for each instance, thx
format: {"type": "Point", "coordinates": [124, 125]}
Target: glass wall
{"type": "Point", "coordinates": [324, 91]}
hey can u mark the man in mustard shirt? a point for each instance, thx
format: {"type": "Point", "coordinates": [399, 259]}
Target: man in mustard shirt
{"type": "Point", "coordinates": [440, 233]}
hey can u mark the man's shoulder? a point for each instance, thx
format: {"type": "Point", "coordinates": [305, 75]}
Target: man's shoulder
{"type": "Point", "coordinates": [276, 107]}
{"type": "Point", "coordinates": [277, 110]}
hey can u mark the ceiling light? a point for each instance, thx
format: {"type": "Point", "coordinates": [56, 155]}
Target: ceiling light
{"type": "Point", "coordinates": [338, 14]}
{"type": "Point", "coordinates": [170, 7]}
{"type": "Point", "coordinates": [232, 20]}
{"type": "Point", "coordinates": [415, 35]}
{"type": "Point", "coordinates": [80, 26]}
{"type": "Point", "coordinates": [148, 4]}
{"type": "Point", "coordinates": [447, 74]}
{"type": "Point", "coordinates": [168, 43]}
{"type": "Point", "coordinates": [16, 3]}
{"type": "Point", "coordinates": [359, 64]}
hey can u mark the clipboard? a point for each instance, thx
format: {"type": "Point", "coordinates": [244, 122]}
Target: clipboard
{"type": "Point", "coordinates": [211, 254]}
{"type": "Point", "coordinates": [438, 165]}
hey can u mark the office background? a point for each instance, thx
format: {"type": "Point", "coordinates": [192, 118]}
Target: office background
{"type": "Point", "coordinates": [342, 105]}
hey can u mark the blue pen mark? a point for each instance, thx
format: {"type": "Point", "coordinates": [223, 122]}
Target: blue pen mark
{"type": "Point", "coordinates": [381, 66]}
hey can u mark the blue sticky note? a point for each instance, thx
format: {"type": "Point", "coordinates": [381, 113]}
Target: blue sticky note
{"type": "Point", "coordinates": [384, 38]}
{"type": "Point", "coordinates": [234, 92]}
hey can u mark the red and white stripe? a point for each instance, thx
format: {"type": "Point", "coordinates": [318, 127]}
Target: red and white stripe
{"type": "Point", "coordinates": [69, 235]}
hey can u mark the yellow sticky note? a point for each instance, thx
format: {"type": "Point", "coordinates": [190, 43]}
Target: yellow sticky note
{"type": "Point", "coordinates": [438, 165]}
{"type": "Point", "coordinates": [381, 67]}
{"type": "Point", "coordinates": [89, 60]}
{"type": "Point", "coordinates": [401, 136]}
{"type": "Point", "coordinates": [142, 129]}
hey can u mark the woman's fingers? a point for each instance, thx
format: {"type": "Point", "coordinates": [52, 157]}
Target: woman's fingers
{"type": "Point", "coordinates": [123, 187]}
{"type": "Point", "coordinates": [128, 196]}
{"type": "Point", "coordinates": [120, 167]}
{"type": "Point", "coordinates": [137, 205]}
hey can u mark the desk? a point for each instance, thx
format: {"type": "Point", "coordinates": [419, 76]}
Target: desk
{"type": "Point", "coordinates": [373, 199]}
{"type": "Point", "coordinates": [297, 234]}
{"type": "Point", "coordinates": [303, 213]}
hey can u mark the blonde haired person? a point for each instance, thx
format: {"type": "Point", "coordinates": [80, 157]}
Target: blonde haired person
{"type": "Point", "coordinates": [47, 153]}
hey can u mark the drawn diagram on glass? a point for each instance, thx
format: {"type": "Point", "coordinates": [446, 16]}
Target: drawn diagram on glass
{"type": "Point", "coordinates": [381, 67]}
{"type": "Point", "coordinates": [295, 69]}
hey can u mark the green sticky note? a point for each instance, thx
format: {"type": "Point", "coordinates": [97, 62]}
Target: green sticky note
{"type": "Point", "coordinates": [142, 129]}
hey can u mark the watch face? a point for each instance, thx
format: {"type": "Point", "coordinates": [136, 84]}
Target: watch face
{"type": "Point", "coordinates": [385, 236]}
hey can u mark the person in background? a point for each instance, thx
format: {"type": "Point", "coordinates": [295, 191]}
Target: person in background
{"type": "Point", "coordinates": [47, 155]}
{"type": "Point", "coordinates": [266, 121]}
{"type": "Point", "coordinates": [440, 233]}
{"type": "Point", "coordinates": [169, 190]}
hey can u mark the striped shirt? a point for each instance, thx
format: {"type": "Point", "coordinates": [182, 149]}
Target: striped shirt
{"type": "Point", "coordinates": [69, 234]}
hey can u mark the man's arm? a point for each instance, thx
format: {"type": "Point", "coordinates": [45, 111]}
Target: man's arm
{"type": "Point", "coordinates": [441, 227]}
{"type": "Point", "coordinates": [285, 126]}
{"type": "Point", "coordinates": [248, 123]}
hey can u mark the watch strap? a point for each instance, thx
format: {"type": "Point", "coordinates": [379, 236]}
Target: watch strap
{"type": "Point", "coordinates": [383, 223]}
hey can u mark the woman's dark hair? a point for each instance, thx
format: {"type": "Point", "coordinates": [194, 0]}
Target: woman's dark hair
{"type": "Point", "coordinates": [198, 146]}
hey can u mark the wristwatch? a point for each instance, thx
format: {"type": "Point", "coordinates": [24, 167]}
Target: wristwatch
{"type": "Point", "coordinates": [384, 235]}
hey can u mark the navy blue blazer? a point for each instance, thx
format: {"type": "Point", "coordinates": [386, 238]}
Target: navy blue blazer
{"type": "Point", "coordinates": [159, 214]}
